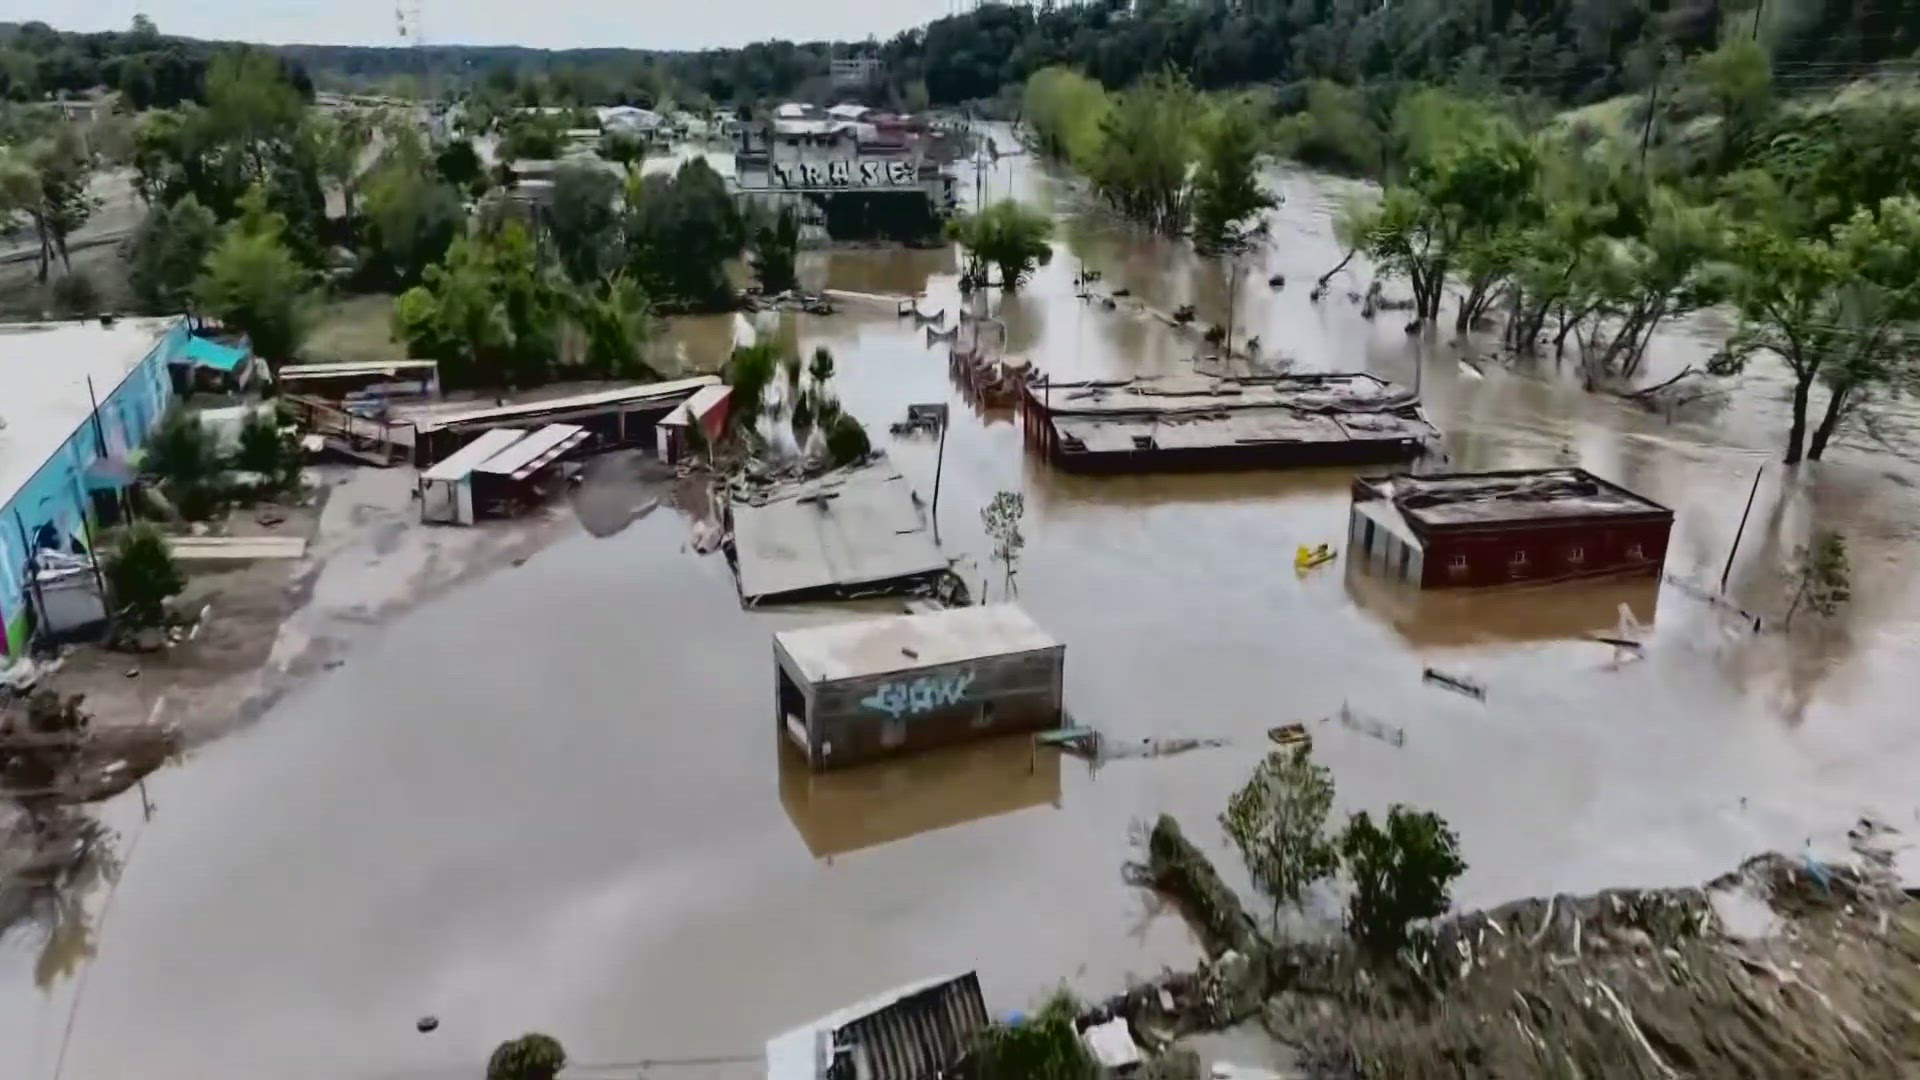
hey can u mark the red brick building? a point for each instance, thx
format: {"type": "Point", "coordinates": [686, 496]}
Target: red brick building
{"type": "Point", "coordinates": [1497, 528]}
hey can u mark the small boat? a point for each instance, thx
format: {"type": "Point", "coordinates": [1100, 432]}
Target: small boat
{"type": "Point", "coordinates": [1306, 558]}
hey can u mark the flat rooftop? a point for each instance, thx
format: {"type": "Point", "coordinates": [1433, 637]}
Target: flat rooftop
{"type": "Point", "coordinates": [440, 416]}
{"type": "Point", "coordinates": [851, 527]}
{"type": "Point", "coordinates": [44, 368]}
{"type": "Point", "coordinates": [1186, 393]}
{"type": "Point", "coordinates": [856, 650]}
{"type": "Point", "coordinates": [1452, 499]}
{"type": "Point", "coordinates": [1232, 427]}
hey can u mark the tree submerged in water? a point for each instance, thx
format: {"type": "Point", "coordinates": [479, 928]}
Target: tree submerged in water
{"type": "Point", "coordinates": [1007, 237]}
{"type": "Point", "coordinates": [1824, 582]}
{"type": "Point", "coordinates": [532, 1056]}
{"type": "Point", "coordinates": [1401, 873]}
{"type": "Point", "coordinates": [1278, 821]}
{"type": "Point", "coordinates": [1001, 518]}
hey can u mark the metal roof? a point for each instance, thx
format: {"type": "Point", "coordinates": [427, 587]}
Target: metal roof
{"type": "Point", "coordinates": [635, 394]}
{"type": "Point", "coordinates": [856, 650]}
{"type": "Point", "coordinates": [295, 372]}
{"type": "Point", "coordinates": [1452, 499]}
{"type": "Point", "coordinates": [850, 527]}
{"type": "Point", "coordinates": [535, 452]}
{"type": "Point", "coordinates": [701, 403]}
{"type": "Point", "coordinates": [458, 464]}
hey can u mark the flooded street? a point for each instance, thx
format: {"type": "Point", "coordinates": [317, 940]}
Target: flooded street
{"type": "Point", "coordinates": [554, 799]}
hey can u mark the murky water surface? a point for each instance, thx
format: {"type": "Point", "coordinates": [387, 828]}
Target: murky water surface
{"type": "Point", "coordinates": [554, 799]}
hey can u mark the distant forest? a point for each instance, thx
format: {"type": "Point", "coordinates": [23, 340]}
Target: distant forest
{"type": "Point", "coordinates": [1568, 51]}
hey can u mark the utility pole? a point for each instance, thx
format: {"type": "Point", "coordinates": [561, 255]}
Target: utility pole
{"type": "Point", "coordinates": [1737, 533]}
{"type": "Point", "coordinates": [1758, 7]}
{"type": "Point", "coordinates": [939, 461]}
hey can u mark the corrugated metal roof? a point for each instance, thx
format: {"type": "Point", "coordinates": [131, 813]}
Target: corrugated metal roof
{"type": "Point", "coordinates": [854, 650]}
{"type": "Point", "coordinates": [914, 1032]}
{"type": "Point", "coordinates": [458, 464]}
{"type": "Point", "coordinates": [618, 396]}
{"type": "Point", "coordinates": [534, 452]}
{"type": "Point", "coordinates": [296, 372]}
{"type": "Point", "coordinates": [851, 527]}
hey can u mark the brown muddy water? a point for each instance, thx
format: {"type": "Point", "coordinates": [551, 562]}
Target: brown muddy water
{"type": "Point", "coordinates": [554, 799]}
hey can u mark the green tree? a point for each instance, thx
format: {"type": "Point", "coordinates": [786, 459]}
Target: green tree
{"type": "Point", "coordinates": [1006, 236]}
{"type": "Point", "coordinates": [1823, 576]}
{"type": "Point", "coordinates": [340, 141]}
{"type": "Point", "coordinates": [776, 247]}
{"type": "Point", "coordinates": [181, 450]}
{"type": "Point", "coordinates": [47, 185]}
{"type": "Point", "coordinates": [680, 230]}
{"type": "Point", "coordinates": [530, 1057]}
{"type": "Point", "coordinates": [750, 371]}
{"type": "Point", "coordinates": [1838, 310]}
{"type": "Point", "coordinates": [491, 314]}
{"type": "Point", "coordinates": [459, 164]}
{"type": "Point", "coordinates": [1227, 189]}
{"type": "Point", "coordinates": [252, 109]}
{"type": "Point", "coordinates": [847, 440]}
{"type": "Point", "coordinates": [142, 576]}
{"type": "Point", "coordinates": [412, 217]}
{"type": "Point", "coordinates": [1736, 83]}
{"type": "Point", "coordinates": [583, 221]}
{"type": "Point", "coordinates": [617, 321]}
{"type": "Point", "coordinates": [1065, 109]}
{"type": "Point", "coordinates": [1147, 149]}
{"type": "Point", "coordinates": [1001, 518]}
{"type": "Point", "coordinates": [1278, 820]}
{"type": "Point", "coordinates": [253, 283]}
{"type": "Point", "coordinates": [169, 249]}
{"type": "Point", "coordinates": [1402, 873]}
{"type": "Point", "coordinates": [1043, 1046]}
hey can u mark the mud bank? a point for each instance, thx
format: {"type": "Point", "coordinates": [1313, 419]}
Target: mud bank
{"type": "Point", "coordinates": [1784, 967]}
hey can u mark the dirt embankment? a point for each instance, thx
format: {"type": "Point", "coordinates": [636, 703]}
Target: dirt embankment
{"type": "Point", "coordinates": [1783, 968]}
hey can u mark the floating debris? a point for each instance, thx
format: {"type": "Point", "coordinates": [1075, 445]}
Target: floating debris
{"type": "Point", "coordinates": [1293, 735]}
{"type": "Point", "coordinates": [1376, 729]}
{"type": "Point", "coordinates": [1456, 683]}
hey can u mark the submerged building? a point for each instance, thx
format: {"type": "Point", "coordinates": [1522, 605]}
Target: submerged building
{"type": "Point", "coordinates": [852, 692]}
{"type": "Point", "coordinates": [1497, 528]}
{"type": "Point", "coordinates": [1180, 422]}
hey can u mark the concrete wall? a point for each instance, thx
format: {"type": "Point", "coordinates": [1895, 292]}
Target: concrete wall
{"type": "Point", "coordinates": [861, 719]}
{"type": "Point", "coordinates": [56, 495]}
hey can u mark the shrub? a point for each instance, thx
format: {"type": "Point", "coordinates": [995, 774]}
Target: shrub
{"type": "Point", "coordinates": [143, 576]}
{"type": "Point", "coordinates": [182, 451]}
{"type": "Point", "coordinates": [1400, 874]}
{"type": "Point", "coordinates": [847, 441]}
{"type": "Point", "coordinates": [76, 295]}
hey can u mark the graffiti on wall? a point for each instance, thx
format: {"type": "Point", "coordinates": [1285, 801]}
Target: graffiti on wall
{"type": "Point", "coordinates": [912, 697]}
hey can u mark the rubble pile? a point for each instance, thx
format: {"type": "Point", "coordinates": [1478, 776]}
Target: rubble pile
{"type": "Point", "coordinates": [1784, 967]}
{"type": "Point", "coordinates": [1635, 983]}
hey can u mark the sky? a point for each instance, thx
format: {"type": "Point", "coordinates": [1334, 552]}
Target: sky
{"type": "Point", "coordinates": [553, 24]}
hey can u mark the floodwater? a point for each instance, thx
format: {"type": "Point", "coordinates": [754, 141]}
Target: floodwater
{"type": "Point", "coordinates": [554, 799]}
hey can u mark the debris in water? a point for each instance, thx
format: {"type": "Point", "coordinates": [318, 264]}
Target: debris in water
{"type": "Point", "coordinates": [1456, 683]}
{"type": "Point", "coordinates": [1291, 735]}
{"type": "Point", "coordinates": [426, 1024]}
{"type": "Point", "coordinates": [1367, 725]}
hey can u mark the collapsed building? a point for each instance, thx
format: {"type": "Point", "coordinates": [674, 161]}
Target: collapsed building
{"type": "Point", "coordinates": [1180, 422]}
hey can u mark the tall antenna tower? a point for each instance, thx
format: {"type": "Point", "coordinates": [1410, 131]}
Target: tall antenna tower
{"type": "Point", "coordinates": [406, 21]}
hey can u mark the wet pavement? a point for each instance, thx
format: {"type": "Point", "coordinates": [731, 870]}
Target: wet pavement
{"type": "Point", "coordinates": [554, 799]}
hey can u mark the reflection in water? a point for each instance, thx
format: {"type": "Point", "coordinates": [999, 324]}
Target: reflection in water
{"type": "Point", "coordinates": [1458, 618]}
{"type": "Point", "coordinates": [849, 809]}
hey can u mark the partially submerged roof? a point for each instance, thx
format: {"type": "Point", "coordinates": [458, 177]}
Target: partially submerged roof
{"type": "Point", "coordinates": [856, 650]}
{"type": "Point", "coordinates": [44, 368]}
{"type": "Point", "coordinates": [1234, 427]}
{"type": "Point", "coordinates": [702, 402]}
{"type": "Point", "coordinates": [535, 452]}
{"type": "Point", "coordinates": [458, 464]}
{"type": "Point", "coordinates": [622, 395]}
{"type": "Point", "coordinates": [851, 527]}
{"type": "Point", "coordinates": [1455, 499]}
{"type": "Point", "coordinates": [917, 1030]}
{"type": "Point", "coordinates": [1332, 392]}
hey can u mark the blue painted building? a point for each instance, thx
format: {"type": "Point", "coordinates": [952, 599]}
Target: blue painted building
{"type": "Point", "coordinates": [56, 453]}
